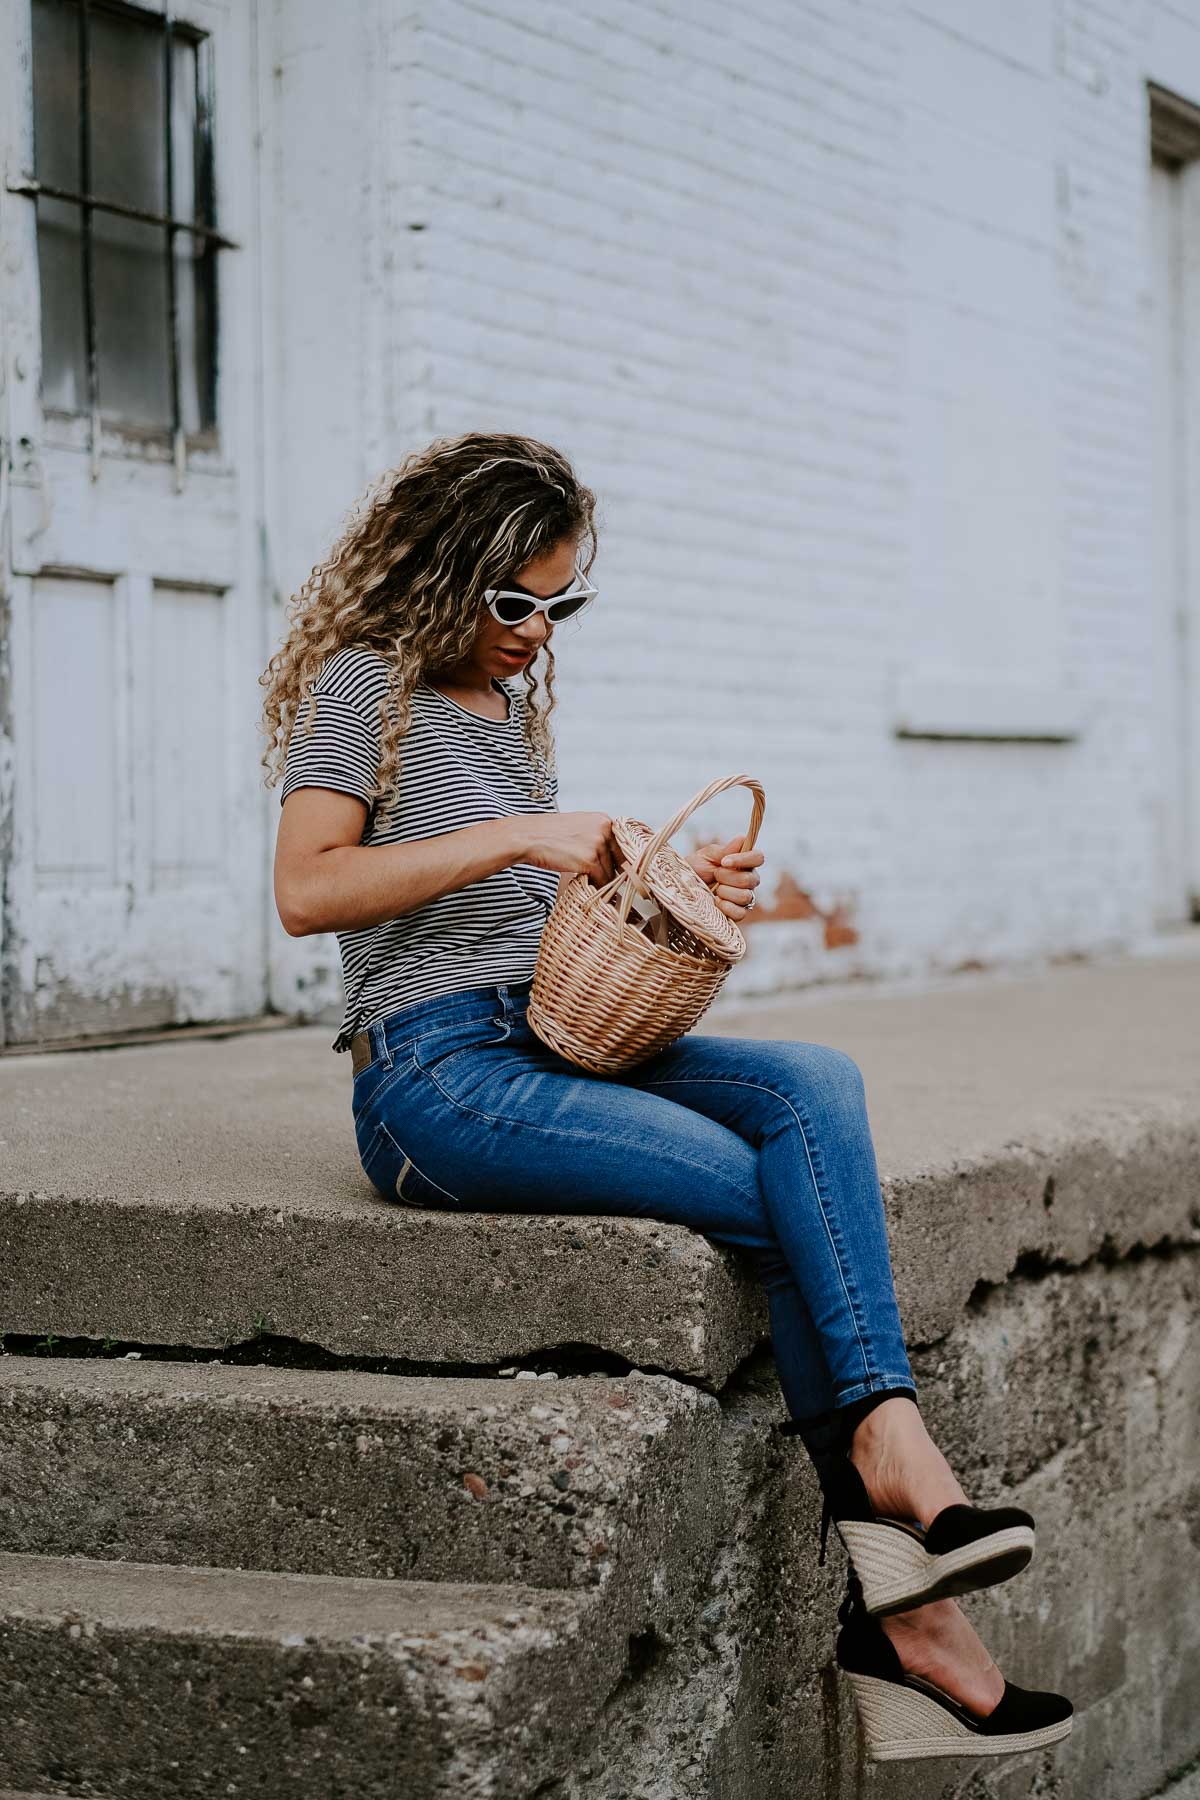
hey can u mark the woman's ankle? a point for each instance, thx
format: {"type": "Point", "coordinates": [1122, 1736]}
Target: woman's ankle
{"type": "Point", "coordinates": [902, 1469]}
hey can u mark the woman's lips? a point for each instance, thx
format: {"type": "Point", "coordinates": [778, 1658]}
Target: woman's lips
{"type": "Point", "coordinates": [517, 655]}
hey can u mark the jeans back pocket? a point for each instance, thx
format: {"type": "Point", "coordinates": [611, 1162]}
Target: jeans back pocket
{"type": "Point", "coordinates": [394, 1175]}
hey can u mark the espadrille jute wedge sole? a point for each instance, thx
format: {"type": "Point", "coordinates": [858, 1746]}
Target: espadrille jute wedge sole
{"type": "Point", "coordinates": [901, 1723]}
{"type": "Point", "coordinates": [900, 1563]}
{"type": "Point", "coordinates": [905, 1718]}
{"type": "Point", "coordinates": [897, 1570]}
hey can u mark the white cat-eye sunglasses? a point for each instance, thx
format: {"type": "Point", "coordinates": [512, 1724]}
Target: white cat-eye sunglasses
{"type": "Point", "coordinates": [510, 606]}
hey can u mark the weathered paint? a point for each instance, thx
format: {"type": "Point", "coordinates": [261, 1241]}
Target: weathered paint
{"type": "Point", "coordinates": [134, 890]}
{"type": "Point", "coordinates": [790, 901]}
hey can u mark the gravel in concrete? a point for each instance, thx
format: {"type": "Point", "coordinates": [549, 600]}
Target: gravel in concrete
{"type": "Point", "coordinates": [276, 1685]}
{"type": "Point", "coordinates": [582, 1482]}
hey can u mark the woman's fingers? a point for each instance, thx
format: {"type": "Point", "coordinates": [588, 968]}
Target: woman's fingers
{"type": "Point", "coordinates": [733, 900]}
{"type": "Point", "coordinates": [737, 883]}
{"type": "Point", "coordinates": [610, 852]}
{"type": "Point", "coordinates": [729, 872]}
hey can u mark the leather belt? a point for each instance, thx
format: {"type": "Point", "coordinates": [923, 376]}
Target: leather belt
{"type": "Point", "coordinates": [361, 1051]}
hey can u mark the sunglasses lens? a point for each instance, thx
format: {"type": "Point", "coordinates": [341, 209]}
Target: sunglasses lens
{"type": "Point", "coordinates": [563, 609]}
{"type": "Point", "coordinates": [512, 609]}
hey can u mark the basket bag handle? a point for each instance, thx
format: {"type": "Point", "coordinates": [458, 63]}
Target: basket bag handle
{"type": "Point", "coordinates": [632, 876]}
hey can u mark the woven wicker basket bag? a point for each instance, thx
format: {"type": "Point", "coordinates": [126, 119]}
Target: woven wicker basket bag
{"type": "Point", "coordinates": [609, 991]}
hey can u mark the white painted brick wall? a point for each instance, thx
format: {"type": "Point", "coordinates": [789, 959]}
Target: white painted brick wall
{"type": "Point", "coordinates": [842, 307]}
{"type": "Point", "coordinates": [674, 250]}
{"type": "Point", "coordinates": [842, 310]}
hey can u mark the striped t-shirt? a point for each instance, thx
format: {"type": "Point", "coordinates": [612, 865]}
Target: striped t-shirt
{"type": "Point", "coordinates": [457, 768]}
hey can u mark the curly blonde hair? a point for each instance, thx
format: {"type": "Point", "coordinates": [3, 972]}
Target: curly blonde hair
{"type": "Point", "coordinates": [405, 578]}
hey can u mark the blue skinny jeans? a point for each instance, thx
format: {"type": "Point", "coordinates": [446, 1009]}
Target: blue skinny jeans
{"type": "Point", "coordinates": [754, 1142]}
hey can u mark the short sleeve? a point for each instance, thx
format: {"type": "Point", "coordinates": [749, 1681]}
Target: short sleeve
{"type": "Point", "coordinates": [340, 752]}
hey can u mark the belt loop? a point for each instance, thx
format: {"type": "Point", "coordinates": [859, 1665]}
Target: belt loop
{"type": "Point", "coordinates": [502, 992]}
{"type": "Point", "coordinates": [380, 1048]}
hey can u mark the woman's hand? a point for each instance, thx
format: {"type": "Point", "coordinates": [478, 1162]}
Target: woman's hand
{"type": "Point", "coordinates": [574, 843]}
{"type": "Point", "coordinates": [729, 871]}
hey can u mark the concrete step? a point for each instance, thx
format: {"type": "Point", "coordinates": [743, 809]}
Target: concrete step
{"type": "Point", "coordinates": [204, 1682]}
{"type": "Point", "coordinates": [195, 1193]}
{"type": "Point", "coordinates": [1030, 1138]}
{"type": "Point", "coordinates": [363, 1279]}
{"type": "Point", "coordinates": [552, 1483]}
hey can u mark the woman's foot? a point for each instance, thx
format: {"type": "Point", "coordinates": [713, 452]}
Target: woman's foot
{"type": "Point", "coordinates": [911, 1535]}
{"type": "Point", "coordinates": [905, 1474]}
{"type": "Point", "coordinates": [924, 1686]}
{"type": "Point", "coordinates": [938, 1643]}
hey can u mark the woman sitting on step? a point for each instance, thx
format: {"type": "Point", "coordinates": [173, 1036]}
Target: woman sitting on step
{"type": "Point", "coordinates": [420, 823]}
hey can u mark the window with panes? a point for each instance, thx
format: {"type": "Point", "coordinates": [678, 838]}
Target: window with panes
{"type": "Point", "coordinates": [126, 217]}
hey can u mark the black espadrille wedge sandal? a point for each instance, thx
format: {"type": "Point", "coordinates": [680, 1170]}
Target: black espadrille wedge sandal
{"type": "Point", "coordinates": [901, 1565]}
{"type": "Point", "coordinates": [899, 1562]}
{"type": "Point", "coordinates": [906, 1718]}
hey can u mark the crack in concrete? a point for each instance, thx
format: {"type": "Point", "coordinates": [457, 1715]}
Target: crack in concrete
{"type": "Point", "coordinates": [269, 1350]}
{"type": "Point", "coordinates": [1036, 1265]}
{"type": "Point", "coordinates": [1183, 1773]}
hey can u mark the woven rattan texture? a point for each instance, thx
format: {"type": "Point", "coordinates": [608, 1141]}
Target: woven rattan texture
{"type": "Point", "coordinates": [604, 994]}
{"type": "Point", "coordinates": [679, 890]}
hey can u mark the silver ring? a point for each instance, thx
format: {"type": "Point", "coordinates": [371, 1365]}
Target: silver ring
{"type": "Point", "coordinates": [750, 902]}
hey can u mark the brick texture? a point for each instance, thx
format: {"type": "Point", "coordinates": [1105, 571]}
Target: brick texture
{"type": "Point", "coordinates": [842, 311]}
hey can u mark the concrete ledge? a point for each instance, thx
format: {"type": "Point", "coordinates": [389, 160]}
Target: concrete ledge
{"type": "Point", "coordinates": [193, 1193]}
{"type": "Point", "coordinates": [556, 1484]}
{"type": "Point", "coordinates": [277, 1685]}
{"type": "Point", "coordinates": [370, 1280]}
{"type": "Point", "coordinates": [1058, 1199]}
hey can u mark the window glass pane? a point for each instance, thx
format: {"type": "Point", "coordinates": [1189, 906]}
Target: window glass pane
{"type": "Point", "coordinates": [183, 130]}
{"type": "Point", "coordinates": [133, 371]}
{"type": "Point", "coordinates": [206, 179]}
{"type": "Point", "coordinates": [195, 261]}
{"type": "Point", "coordinates": [195, 300]}
{"type": "Point", "coordinates": [129, 257]}
{"type": "Point", "coordinates": [56, 92]}
{"type": "Point", "coordinates": [60, 267]}
{"type": "Point", "coordinates": [128, 158]}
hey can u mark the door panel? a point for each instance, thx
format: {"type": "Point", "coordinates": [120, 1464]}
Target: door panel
{"type": "Point", "coordinates": [136, 890]}
{"type": "Point", "coordinates": [75, 733]}
{"type": "Point", "coordinates": [189, 813]}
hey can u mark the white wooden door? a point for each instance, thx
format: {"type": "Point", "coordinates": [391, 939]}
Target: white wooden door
{"type": "Point", "coordinates": [1175, 289]}
{"type": "Point", "coordinates": [136, 863]}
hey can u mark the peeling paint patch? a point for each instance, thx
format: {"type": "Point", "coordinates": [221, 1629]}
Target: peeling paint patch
{"type": "Point", "coordinates": [63, 1009]}
{"type": "Point", "coordinates": [838, 929]}
{"type": "Point", "coordinates": [791, 901]}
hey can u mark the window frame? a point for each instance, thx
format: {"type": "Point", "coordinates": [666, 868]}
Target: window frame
{"type": "Point", "coordinates": [173, 30]}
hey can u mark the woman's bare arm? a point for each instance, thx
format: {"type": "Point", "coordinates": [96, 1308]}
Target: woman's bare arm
{"type": "Point", "coordinates": [327, 880]}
